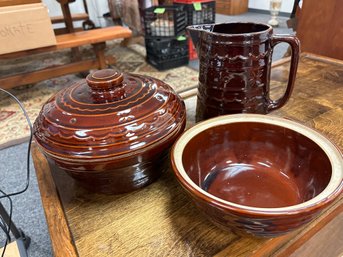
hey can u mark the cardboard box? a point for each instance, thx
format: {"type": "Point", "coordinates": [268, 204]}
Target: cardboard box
{"type": "Point", "coordinates": [16, 2]}
{"type": "Point", "coordinates": [24, 27]}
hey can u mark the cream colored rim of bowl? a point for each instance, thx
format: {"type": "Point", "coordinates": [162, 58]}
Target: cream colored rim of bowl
{"type": "Point", "coordinates": [330, 150]}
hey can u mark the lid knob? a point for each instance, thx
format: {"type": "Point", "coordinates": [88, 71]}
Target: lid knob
{"type": "Point", "coordinates": [106, 85]}
{"type": "Point", "coordinates": [104, 79]}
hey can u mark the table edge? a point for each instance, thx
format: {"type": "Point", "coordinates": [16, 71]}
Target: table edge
{"type": "Point", "coordinates": [64, 245]}
{"type": "Point", "coordinates": [62, 242]}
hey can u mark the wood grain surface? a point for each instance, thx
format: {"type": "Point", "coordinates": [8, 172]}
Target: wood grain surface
{"type": "Point", "coordinates": [231, 7]}
{"type": "Point", "coordinates": [74, 17]}
{"type": "Point", "coordinates": [17, 2]}
{"type": "Point", "coordinates": [53, 209]}
{"type": "Point", "coordinates": [95, 37]}
{"type": "Point", "coordinates": [160, 220]}
{"type": "Point", "coordinates": [320, 27]}
{"type": "Point", "coordinates": [77, 39]}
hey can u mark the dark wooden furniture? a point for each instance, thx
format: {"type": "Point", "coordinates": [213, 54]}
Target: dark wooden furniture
{"type": "Point", "coordinates": [95, 37]}
{"type": "Point", "coordinates": [75, 17]}
{"type": "Point", "coordinates": [320, 27]}
{"type": "Point", "coordinates": [66, 14]}
{"type": "Point", "coordinates": [231, 7]}
{"type": "Point", "coordinates": [68, 18]}
{"type": "Point", "coordinates": [160, 220]}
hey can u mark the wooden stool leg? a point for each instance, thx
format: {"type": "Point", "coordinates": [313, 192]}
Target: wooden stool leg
{"type": "Point", "coordinates": [126, 42]}
{"type": "Point", "coordinates": [132, 40]}
{"type": "Point", "coordinates": [75, 52]}
{"type": "Point", "coordinates": [99, 50]}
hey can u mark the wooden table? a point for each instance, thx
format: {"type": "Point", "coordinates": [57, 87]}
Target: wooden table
{"type": "Point", "coordinates": [160, 220]}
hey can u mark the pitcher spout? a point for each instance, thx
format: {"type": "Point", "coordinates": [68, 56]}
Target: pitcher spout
{"type": "Point", "coordinates": [195, 31]}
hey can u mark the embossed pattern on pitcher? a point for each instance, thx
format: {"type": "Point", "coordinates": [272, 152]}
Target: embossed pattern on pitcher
{"type": "Point", "coordinates": [235, 64]}
{"type": "Point", "coordinates": [233, 80]}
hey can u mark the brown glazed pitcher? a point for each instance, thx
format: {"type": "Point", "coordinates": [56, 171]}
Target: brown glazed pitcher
{"type": "Point", "coordinates": [235, 63]}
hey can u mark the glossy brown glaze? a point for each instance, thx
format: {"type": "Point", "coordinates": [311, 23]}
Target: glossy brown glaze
{"type": "Point", "coordinates": [235, 65]}
{"type": "Point", "coordinates": [259, 165]}
{"type": "Point", "coordinates": [256, 168]}
{"type": "Point", "coordinates": [161, 220]}
{"type": "Point", "coordinates": [111, 132]}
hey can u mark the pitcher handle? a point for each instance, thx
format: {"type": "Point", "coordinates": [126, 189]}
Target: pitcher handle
{"type": "Point", "coordinates": [294, 42]}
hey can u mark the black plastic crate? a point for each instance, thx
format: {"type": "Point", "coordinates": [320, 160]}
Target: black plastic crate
{"type": "Point", "coordinates": [206, 15]}
{"type": "Point", "coordinates": [165, 21]}
{"type": "Point", "coordinates": [167, 53]}
{"type": "Point", "coordinates": [171, 56]}
{"type": "Point", "coordinates": [166, 47]}
{"type": "Point", "coordinates": [168, 63]}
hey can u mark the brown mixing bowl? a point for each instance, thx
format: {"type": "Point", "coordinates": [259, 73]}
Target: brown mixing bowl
{"type": "Point", "coordinates": [258, 174]}
{"type": "Point", "coordinates": [111, 132]}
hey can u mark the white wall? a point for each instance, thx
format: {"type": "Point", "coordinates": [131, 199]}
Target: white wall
{"type": "Point", "coordinates": [286, 6]}
{"type": "Point", "coordinates": [96, 9]}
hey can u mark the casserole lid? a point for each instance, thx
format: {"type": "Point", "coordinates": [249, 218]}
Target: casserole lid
{"type": "Point", "coordinates": [109, 115]}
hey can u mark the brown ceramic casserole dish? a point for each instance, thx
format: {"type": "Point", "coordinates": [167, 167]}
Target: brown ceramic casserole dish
{"type": "Point", "coordinates": [111, 132]}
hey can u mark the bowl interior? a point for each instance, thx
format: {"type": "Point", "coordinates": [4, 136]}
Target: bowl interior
{"type": "Point", "coordinates": [257, 164]}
